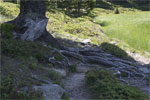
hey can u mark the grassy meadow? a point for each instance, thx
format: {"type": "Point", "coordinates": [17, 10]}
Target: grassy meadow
{"type": "Point", "coordinates": [133, 28]}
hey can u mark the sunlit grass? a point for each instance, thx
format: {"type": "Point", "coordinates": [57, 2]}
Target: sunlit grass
{"type": "Point", "coordinates": [132, 28]}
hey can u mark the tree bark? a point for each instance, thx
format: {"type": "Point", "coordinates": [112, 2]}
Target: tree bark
{"type": "Point", "coordinates": [79, 6]}
{"type": "Point", "coordinates": [31, 22]}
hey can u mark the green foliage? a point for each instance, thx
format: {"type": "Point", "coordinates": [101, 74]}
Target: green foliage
{"type": "Point", "coordinates": [116, 11]}
{"type": "Point", "coordinates": [76, 8]}
{"type": "Point", "coordinates": [36, 66]}
{"type": "Point", "coordinates": [51, 4]}
{"type": "Point", "coordinates": [65, 96]}
{"type": "Point", "coordinates": [19, 48]}
{"type": "Point", "coordinates": [9, 91]}
{"type": "Point", "coordinates": [72, 68]}
{"type": "Point", "coordinates": [104, 85]}
{"type": "Point", "coordinates": [59, 83]}
{"type": "Point", "coordinates": [115, 50]}
{"type": "Point", "coordinates": [53, 75]}
{"type": "Point", "coordinates": [9, 10]}
{"type": "Point", "coordinates": [83, 28]}
{"type": "Point", "coordinates": [6, 30]}
{"type": "Point", "coordinates": [58, 56]}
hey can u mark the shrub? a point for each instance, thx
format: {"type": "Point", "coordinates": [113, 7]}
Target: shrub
{"type": "Point", "coordinates": [73, 68]}
{"type": "Point", "coordinates": [115, 50]}
{"type": "Point", "coordinates": [58, 56]}
{"type": "Point", "coordinates": [104, 85]}
{"type": "Point", "coordinates": [65, 96]}
{"type": "Point", "coordinates": [19, 48]}
{"type": "Point", "coordinates": [59, 83]}
{"type": "Point", "coordinates": [36, 66]}
{"type": "Point", "coordinates": [6, 30]}
{"type": "Point", "coordinates": [10, 92]}
{"type": "Point", "coordinates": [53, 75]}
{"type": "Point", "coordinates": [116, 11]}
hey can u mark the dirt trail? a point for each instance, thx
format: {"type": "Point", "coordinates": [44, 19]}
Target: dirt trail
{"type": "Point", "coordinates": [76, 88]}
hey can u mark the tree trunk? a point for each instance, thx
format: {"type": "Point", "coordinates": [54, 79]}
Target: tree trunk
{"type": "Point", "coordinates": [31, 22]}
{"type": "Point", "coordinates": [79, 6]}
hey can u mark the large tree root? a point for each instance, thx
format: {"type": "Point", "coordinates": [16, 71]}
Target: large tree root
{"type": "Point", "coordinates": [95, 58]}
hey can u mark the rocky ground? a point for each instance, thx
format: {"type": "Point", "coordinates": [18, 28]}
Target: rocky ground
{"type": "Point", "coordinates": [128, 72]}
{"type": "Point", "coordinates": [79, 60]}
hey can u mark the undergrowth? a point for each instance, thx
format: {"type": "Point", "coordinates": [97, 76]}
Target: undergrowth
{"type": "Point", "coordinates": [10, 91]}
{"type": "Point", "coordinates": [19, 48]}
{"type": "Point", "coordinates": [53, 75]}
{"type": "Point", "coordinates": [103, 85]}
{"type": "Point", "coordinates": [115, 50]}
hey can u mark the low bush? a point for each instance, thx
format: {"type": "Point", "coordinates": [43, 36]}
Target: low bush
{"type": "Point", "coordinates": [53, 75]}
{"type": "Point", "coordinates": [59, 83]}
{"type": "Point", "coordinates": [104, 85]}
{"type": "Point", "coordinates": [58, 56]}
{"type": "Point", "coordinates": [73, 68]}
{"type": "Point", "coordinates": [6, 30]}
{"type": "Point", "coordinates": [10, 92]}
{"type": "Point", "coordinates": [19, 48]}
{"type": "Point", "coordinates": [65, 96]}
{"type": "Point", "coordinates": [116, 11]}
{"type": "Point", "coordinates": [115, 50]}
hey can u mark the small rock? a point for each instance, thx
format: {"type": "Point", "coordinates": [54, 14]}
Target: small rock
{"type": "Point", "coordinates": [51, 91]}
{"type": "Point", "coordinates": [86, 41]}
{"type": "Point", "coordinates": [51, 58]}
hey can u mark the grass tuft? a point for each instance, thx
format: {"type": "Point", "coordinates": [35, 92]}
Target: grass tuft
{"type": "Point", "coordinates": [53, 75]}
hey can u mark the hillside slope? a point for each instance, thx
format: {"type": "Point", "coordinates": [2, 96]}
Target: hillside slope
{"type": "Point", "coordinates": [63, 74]}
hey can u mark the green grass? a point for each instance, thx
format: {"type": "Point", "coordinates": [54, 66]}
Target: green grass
{"type": "Point", "coordinates": [9, 10]}
{"type": "Point", "coordinates": [132, 28]}
{"type": "Point", "coordinates": [53, 75]}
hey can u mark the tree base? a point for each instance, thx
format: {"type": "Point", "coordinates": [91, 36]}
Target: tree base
{"type": "Point", "coordinates": [32, 27]}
